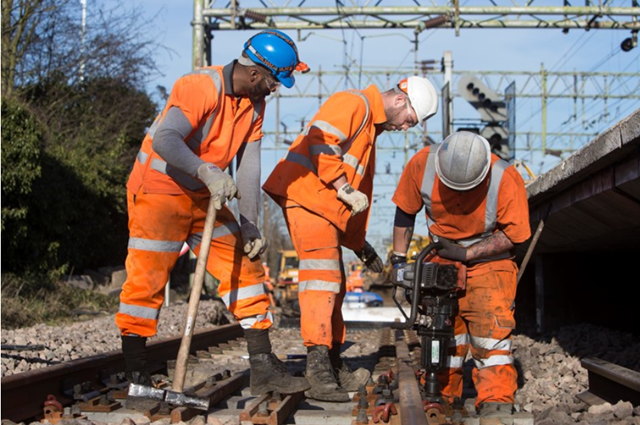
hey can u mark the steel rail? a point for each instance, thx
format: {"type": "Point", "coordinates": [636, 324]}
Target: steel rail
{"type": "Point", "coordinates": [23, 394]}
{"type": "Point", "coordinates": [609, 382]}
{"type": "Point", "coordinates": [411, 407]}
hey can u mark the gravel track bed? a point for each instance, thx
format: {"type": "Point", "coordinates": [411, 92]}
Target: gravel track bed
{"type": "Point", "coordinates": [550, 374]}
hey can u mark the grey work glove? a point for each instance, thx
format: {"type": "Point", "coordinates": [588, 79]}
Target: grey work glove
{"type": "Point", "coordinates": [220, 184]}
{"type": "Point", "coordinates": [370, 258]}
{"type": "Point", "coordinates": [451, 251]}
{"type": "Point", "coordinates": [254, 243]}
{"type": "Point", "coordinates": [357, 200]}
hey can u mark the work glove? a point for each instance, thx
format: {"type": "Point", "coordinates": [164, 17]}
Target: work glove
{"type": "Point", "coordinates": [254, 243]}
{"type": "Point", "coordinates": [220, 184]}
{"type": "Point", "coordinates": [398, 262]}
{"type": "Point", "coordinates": [451, 251]}
{"type": "Point", "coordinates": [355, 199]}
{"type": "Point", "coordinates": [370, 258]}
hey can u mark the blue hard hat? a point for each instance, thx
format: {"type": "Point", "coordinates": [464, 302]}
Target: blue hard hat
{"type": "Point", "coordinates": [277, 52]}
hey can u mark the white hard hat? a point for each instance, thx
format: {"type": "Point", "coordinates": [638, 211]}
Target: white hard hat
{"type": "Point", "coordinates": [422, 95]}
{"type": "Point", "coordinates": [463, 160]}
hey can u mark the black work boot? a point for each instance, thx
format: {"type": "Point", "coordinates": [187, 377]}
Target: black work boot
{"type": "Point", "coordinates": [322, 377]}
{"type": "Point", "coordinates": [134, 350]}
{"type": "Point", "coordinates": [268, 373]}
{"type": "Point", "coordinates": [348, 379]}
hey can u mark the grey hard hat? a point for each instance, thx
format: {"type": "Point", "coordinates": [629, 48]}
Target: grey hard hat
{"type": "Point", "coordinates": [463, 160]}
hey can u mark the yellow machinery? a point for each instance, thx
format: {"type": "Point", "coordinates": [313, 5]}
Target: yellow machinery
{"type": "Point", "coordinates": [417, 244]}
{"type": "Point", "coordinates": [286, 287]}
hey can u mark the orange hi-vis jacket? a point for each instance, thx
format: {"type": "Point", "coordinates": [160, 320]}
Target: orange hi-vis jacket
{"type": "Point", "coordinates": [498, 203]}
{"type": "Point", "coordinates": [222, 124]}
{"type": "Point", "coordinates": [335, 143]}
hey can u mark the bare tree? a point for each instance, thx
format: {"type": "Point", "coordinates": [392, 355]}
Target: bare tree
{"type": "Point", "coordinates": [45, 40]}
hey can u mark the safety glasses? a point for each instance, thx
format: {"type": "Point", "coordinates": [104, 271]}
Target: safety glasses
{"type": "Point", "coordinates": [410, 113]}
{"type": "Point", "coordinates": [271, 83]}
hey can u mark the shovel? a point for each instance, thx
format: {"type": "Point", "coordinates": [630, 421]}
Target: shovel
{"type": "Point", "coordinates": [175, 396]}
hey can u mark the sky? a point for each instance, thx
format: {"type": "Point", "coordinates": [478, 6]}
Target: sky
{"type": "Point", "coordinates": [473, 50]}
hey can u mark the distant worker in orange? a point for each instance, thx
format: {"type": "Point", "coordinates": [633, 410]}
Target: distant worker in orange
{"type": "Point", "coordinates": [212, 116]}
{"type": "Point", "coordinates": [324, 186]}
{"type": "Point", "coordinates": [476, 207]}
{"type": "Point", "coordinates": [267, 283]}
{"type": "Point", "coordinates": [354, 281]}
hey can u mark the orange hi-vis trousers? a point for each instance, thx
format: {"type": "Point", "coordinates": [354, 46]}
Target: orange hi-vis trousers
{"type": "Point", "coordinates": [158, 227]}
{"type": "Point", "coordinates": [484, 327]}
{"type": "Point", "coordinates": [321, 278]}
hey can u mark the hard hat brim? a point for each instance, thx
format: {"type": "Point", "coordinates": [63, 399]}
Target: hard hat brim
{"type": "Point", "coordinates": [288, 82]}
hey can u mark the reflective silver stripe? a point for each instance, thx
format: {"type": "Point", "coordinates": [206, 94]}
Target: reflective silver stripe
{"type": "Point", "coordinates": [326, 128]}
{"type": "Point", "coordinates": [349, 142]}
{"type": "Point", "coordinates": [491, 214]}
{"type": "Point", "coordinates": [462, 339]}
{"type": "Point", "coordinates": [325, 149]}
{"type": "Point", "coordinates": [226, 229]}
{"type": "Point", "coordinates": [203, 132]}
{"type": "Point", "coordinates": [301, 160]}
{"type": "Point", "coordinates": [319, 265]}
{"type": "Point", "coordinates": [320, 149]}
{"type": "Point", "coordinates": [183, 178]}
{"type": "Point", "coordinates": [243, 293]}
{"type": "Point", "coordinates": [142, 157]}
{"type": "Point", "coordinates": [454, 362]}
{"type": "Point", "coordinates": [493, 361]}
{"type": "Point", "coordinates": [353, 162]}
{"type": "Point", "coordinates": [139, 311]}
{"type": "Point", "coordinates": [318, 285]}
{"type": "Point", "coordinates": [428, 181]}
{"type": "Point", "coordinates": [491, 343]}
{"type": "Point", "coordinates": [248, 322]}
{"type": "Point", "coordinates": [155, 246]}
{"type": "Point", "coordinates": [154, 126]}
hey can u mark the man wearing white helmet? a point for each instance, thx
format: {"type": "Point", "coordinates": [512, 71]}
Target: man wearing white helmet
{"type": "Point", "coordinates": [324, 185]}
{"type": "Point", "coordinates": [476, 207]}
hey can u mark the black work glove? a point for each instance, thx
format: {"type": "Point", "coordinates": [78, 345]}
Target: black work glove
{"type": "Point", "coordinates": [451, 251]}
{"type": "Point", "coordinates": [398, 262]}
{"type": "Point", "coordinates": [370, 258]}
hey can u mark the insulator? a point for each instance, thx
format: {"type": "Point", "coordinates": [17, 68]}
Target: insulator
{"type": "Point", "coordinates": [256, 16]}
{"type": "Point", "coordinates": [435, 22]}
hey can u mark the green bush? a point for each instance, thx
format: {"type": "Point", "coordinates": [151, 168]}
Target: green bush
{"type": "Point", "coordinates": [65, 164]}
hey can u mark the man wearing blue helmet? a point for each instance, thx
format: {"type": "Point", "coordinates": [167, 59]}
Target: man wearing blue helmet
{"type": "Point", "coordinates": [212, 116]}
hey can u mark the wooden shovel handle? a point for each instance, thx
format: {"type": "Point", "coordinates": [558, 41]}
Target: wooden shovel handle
{"type": "Point", "coordinates": [194, 299]}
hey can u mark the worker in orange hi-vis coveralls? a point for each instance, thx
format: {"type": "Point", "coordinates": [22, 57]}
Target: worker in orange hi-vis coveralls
{"type": "Point", "coordinates": [268, 285]}
{"type": "Point", "coordinates": [476, 207]}
{"type": "Point", "coordinates": [324, 186]}
{"type": "Point", "coordinates": [354, 281]}
{"type": "Point", "coordinates": [212, 115]}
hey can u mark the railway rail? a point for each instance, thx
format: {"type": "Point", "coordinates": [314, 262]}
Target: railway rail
{"type": "Point", "coordinates": [94, 388]}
